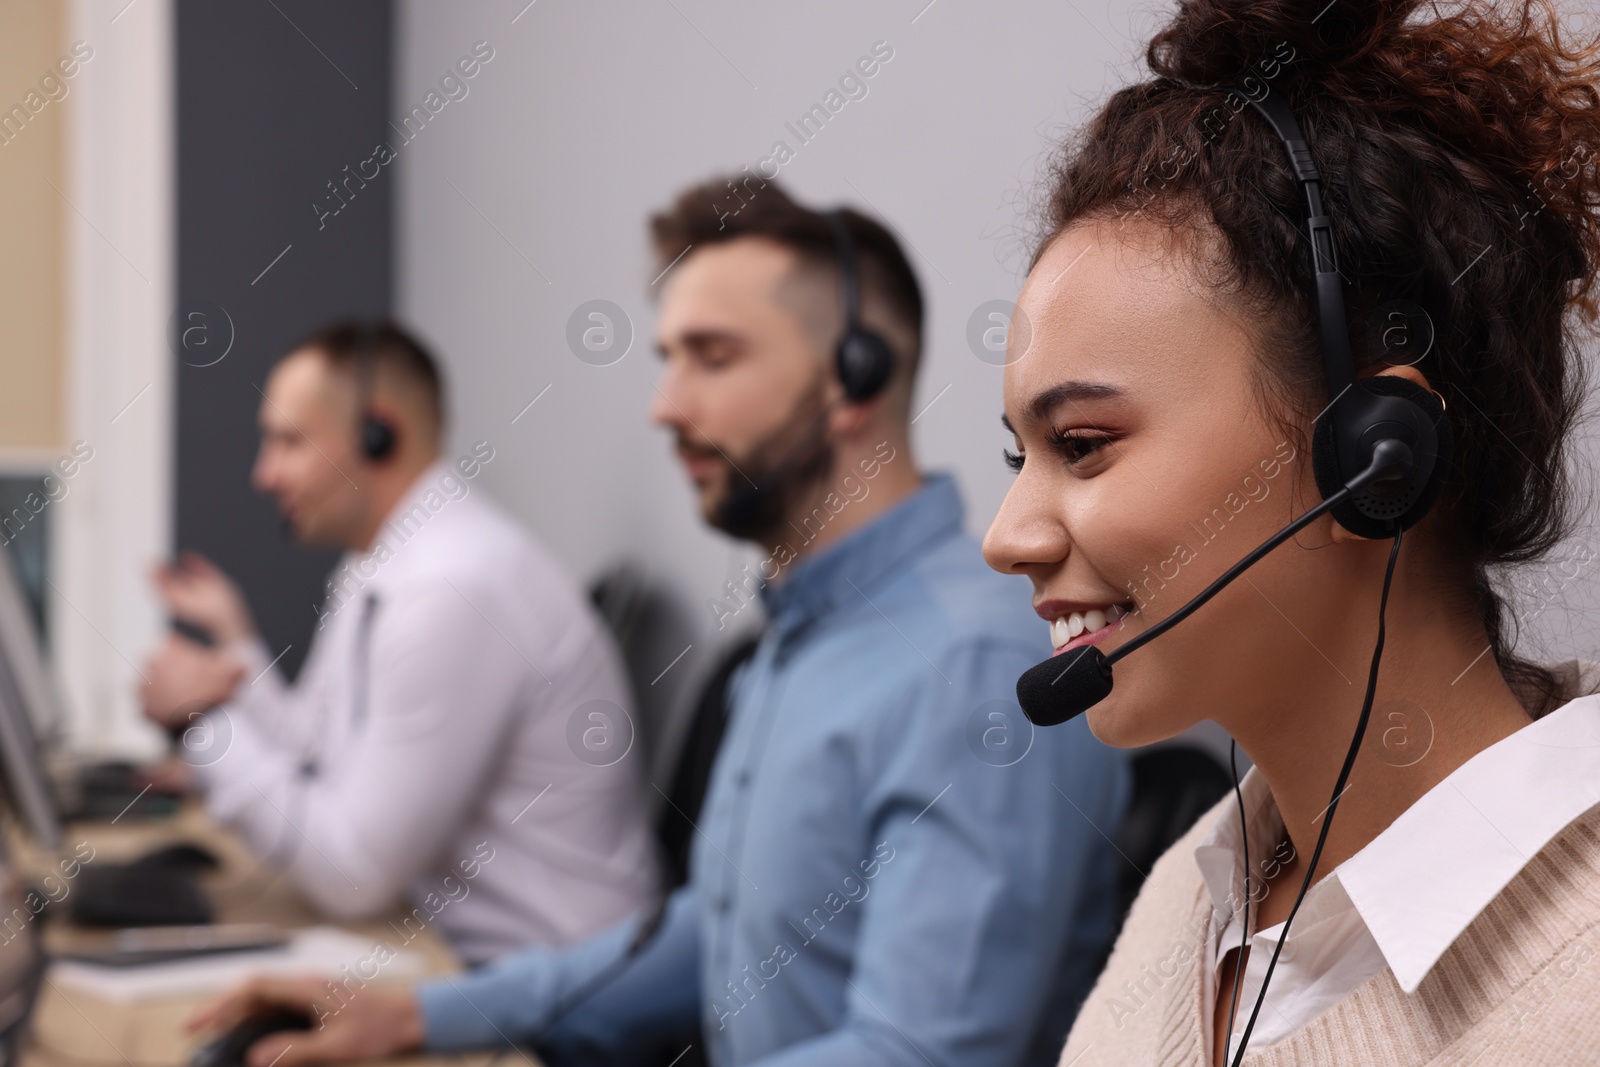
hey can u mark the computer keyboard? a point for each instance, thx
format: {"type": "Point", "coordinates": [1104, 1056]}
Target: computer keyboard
{"type": "Point", "coordinates": [161, 889]}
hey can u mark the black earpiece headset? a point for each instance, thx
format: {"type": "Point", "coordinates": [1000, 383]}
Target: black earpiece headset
{"type": "Point", "coordinates": [863, 357]}
{"type": "Point", "coordinates": [1380, 453]}
{"type": "Point", "coordinates": [1361, 412]}
{"type": "Point", "coordinates": [377, 436]}
{"type": "Point", "coordinates": [862, 360]}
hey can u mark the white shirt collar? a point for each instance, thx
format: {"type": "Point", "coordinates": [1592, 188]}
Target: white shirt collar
{"type": "Point", "coordinates": [1218, 852]}
{"type": "Point", "coordinates": [1419, 884]}
{"type": "Point", "coordinates": [390, 534]}
{"type": "Point", "coordinates": [358, 573]}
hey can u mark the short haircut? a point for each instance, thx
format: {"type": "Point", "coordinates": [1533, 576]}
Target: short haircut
{"type": "Point", "coordinates": [730, 207]}
{"type": "Point", "coordinates": [391, 349]}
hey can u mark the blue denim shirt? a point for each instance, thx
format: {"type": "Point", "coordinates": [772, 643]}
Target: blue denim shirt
{"type": "Point", "coordinates": [892, 865]}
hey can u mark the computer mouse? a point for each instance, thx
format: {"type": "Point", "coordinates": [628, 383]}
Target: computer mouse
{"type": "Point", "coordinates": [183, 856]}
{"type": "Point", "coordinates": [228, 1049]}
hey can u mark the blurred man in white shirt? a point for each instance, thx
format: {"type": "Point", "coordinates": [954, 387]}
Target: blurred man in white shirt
{"type": "Point", "coordinates": [459, 737]}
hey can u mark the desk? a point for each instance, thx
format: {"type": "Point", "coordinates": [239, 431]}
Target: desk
{"type": "Point", "coordinates": [76, 1029]}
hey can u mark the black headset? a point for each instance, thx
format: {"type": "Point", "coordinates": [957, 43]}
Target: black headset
{"type": "Point", "coordinates": [1380, 452]}
{"type": "Point", "coordinates": [1360, 412]}
{"type": "Point", "coordinates": [376, 435]}
{"type": "Point", "coordinates": [863, 358]}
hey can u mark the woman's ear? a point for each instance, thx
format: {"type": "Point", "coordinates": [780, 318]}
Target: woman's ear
{"type": "Point", "coordinates": [1338, 535]}
{"type": "Point", "coordinates": [1409, 373]}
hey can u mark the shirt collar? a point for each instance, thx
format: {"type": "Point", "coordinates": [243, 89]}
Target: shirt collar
{"type": "Point", "coordinates": [387, 538]}
{"type": "Point", "coordinates": [1217, 854]}
{"type": "Point", "coordinates": [1420, 883]}
{"type": "Point", "coordinates": [815, 584]}
{"type": "Point", "coordinates": [431, 478]}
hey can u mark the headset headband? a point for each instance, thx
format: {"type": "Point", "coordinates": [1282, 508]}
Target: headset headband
{"type": "Point", "coordinates": [847, 268]}
{"type": "Point", "coordinates": [863, 357]}
{"type": "Point", "coordinates": [1332, 330]}
{"type": "Point", "coordinates": [1359, 414]}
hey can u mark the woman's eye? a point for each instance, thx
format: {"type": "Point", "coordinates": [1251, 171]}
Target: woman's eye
{"type": "Point", "coordinates": [1076, 447]}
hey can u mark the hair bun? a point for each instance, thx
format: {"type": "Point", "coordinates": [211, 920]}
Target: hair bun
{"type": "Point", "coordinates": [1218, 42]}
{"type": "Point", "coordinates": [1496, 88]}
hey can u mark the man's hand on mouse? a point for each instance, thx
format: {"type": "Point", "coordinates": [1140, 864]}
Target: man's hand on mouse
{"type": "Point", "coordinates": [196, 590]}
{"type": "Point", "coordinates": [367, 1023]}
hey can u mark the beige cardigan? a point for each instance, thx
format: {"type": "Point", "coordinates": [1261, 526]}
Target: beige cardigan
{"type": "Point", "coordinates": [1520, 986]}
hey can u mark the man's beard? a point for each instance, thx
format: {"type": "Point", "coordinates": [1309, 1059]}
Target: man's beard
{"type": "Point", "coordinates": [770, 482]}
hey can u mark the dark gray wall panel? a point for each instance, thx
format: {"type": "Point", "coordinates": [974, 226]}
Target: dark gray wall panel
{"type": "Point", "coordinates": [275, 99]}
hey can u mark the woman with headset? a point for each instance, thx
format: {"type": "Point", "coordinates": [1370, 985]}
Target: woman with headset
{"type": "Point", "coordinates": [1336, 261]}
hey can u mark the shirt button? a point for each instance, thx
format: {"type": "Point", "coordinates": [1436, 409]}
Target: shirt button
{"type": "Point", "coordinates": [722, 904]}
{"type": "Point", "coordinates": [742, 779]}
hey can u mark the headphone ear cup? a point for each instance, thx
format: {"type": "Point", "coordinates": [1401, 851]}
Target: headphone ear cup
{"type": "Point", "coordinates": [377, 438]}
{"type": "Point", "coordinates": [864, 364]}
{"type": "Point", "coordinates": [1345, 434]}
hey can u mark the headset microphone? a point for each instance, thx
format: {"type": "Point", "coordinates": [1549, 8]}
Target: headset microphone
{"type": "Point", "coordinates": [1051, 693]}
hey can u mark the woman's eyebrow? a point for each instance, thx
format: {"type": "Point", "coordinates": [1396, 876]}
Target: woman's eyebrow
{"type": "Point", "coordinates": [1052, 398]}
{"type": "Point", "coordinates": [1040, 407]}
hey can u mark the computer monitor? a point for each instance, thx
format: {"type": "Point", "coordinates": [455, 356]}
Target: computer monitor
{"type": "Point", "coordinates": [20, 641]}
{"type": "Point", "coordinates": [26, 705]}
{"type": "Point", "coordinates": [22, 960]}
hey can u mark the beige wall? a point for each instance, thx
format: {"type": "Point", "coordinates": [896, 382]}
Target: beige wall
{"type": "Point", "coordinates": [32, 236]}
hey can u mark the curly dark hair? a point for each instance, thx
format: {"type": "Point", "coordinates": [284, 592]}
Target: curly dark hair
{"type": "Point", "coordinates": [1458, 145]}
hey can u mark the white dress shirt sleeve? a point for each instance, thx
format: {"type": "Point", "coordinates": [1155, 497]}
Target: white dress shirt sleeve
{"type": "Point", "coordinates": [263, 694]}
{"type": "Point", "coordinates": [441, 683]}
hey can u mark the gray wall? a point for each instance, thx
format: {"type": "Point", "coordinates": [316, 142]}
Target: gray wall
{"type": "Point", "coordinates": [274, 100]}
